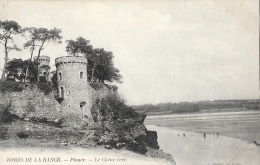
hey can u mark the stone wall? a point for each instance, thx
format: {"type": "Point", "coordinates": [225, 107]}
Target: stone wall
{"type": "Point", "coordinates": [32, 102]}
{"type": "Point", "coordinates": [75, 95]}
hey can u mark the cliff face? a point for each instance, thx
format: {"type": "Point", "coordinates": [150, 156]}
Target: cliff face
{"type": "Point", "coordinates": [116, 131]}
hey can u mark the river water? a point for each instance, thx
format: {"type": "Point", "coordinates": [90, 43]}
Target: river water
{"type": "Point", "coordinates": [244, 124]}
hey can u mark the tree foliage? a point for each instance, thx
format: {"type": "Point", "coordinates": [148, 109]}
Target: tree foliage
{"type": "Point", "coordinates": [43, 35]}
{"type": "Point", "coordinates": [7, 30]}
{"type": "Point", "coordinates": [16, 69]}
{"type": "Point", "coordinates": [39, 36]}
{"type": "Point", "coordinates": [100, 62]}
{"type": "Point", "coordinates": [30, 42]}
{"type": "Point", "coordinates": [45, 87]}
{"type": "Point", "coordinates": [118, 106]}
{"type": "Point", "coordinates": [103, 68]}
{"type": "Point", "coordinates": [54, 80]}
{"type": "Point", "coordinates": [10, 86]}
{"type": "Point", "coordinates": [80, 46]}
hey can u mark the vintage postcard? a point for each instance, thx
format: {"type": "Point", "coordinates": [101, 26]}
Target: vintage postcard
{"type": "Point", "coordinates": [129, 82]}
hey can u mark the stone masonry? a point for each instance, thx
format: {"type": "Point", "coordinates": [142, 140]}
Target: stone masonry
{"type": "Point", "coordinates": [43, 60]}
{"type": "Point", "coordinates": [73, 85]}
{"type": "Point", "coordinates": [75, 95]}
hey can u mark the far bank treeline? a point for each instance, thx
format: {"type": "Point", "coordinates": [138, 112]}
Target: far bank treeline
{"type": "Point", "coordinates": [100, 62]}
{"type": "Point", "coordinates": [189, 107]}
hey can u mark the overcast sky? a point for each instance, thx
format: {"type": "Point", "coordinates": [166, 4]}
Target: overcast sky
{"type": "Point", "coordinates": [167, 51]}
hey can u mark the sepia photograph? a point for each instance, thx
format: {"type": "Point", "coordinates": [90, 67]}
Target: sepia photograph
{"type": "Point", "coordinates": [122, 82]}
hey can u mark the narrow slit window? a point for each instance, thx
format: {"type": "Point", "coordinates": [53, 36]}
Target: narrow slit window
{"type": "Point", "coordinates": [61, 92]}
{"type": "Point", "coordinates": [81, 74]}
{"type": "Point", "coordinates": [60, 76]}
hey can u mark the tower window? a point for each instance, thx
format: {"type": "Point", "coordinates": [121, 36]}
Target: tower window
{"type": "Point", "coordinates": [60, 76]}
{"type": "Point", "coordinates": [61, 92]}
{"type": "Point", "coordinates": [81, 74]}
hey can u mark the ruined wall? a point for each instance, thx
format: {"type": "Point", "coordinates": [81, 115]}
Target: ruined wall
{"type": "Point", "coordinates": [33, 103]}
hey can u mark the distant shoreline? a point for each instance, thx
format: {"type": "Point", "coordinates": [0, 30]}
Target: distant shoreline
{"type": "Point", "coordinates": [199, 106]}
{"type": "Point", "coordinates": [203, 111]}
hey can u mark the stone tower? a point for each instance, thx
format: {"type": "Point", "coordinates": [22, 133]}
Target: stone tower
{"type": "Point", "coordinates": [73, 86]}
{"type": "Point", "coordinates": [43, 60]}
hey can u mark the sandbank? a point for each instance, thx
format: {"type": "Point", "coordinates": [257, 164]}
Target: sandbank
{"type": "Point", "coordinates": [194, 149]}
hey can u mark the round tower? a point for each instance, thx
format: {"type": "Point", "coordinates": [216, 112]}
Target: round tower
{"type": "Point", "coordinates": [73, 85]}
{"type": "Point", "coordinates": [43, 60]}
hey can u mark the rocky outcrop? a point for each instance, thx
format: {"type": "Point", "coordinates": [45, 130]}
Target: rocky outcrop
{"type": "Point", "coordinates": [119, 130]}
{"type": "Point", "coordinates": [116, 126]}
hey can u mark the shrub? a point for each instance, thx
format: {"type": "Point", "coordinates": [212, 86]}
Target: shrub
{"type": "Point", "coordinates": [54, 81]}
{"type": "Point", "coordinates": [96, 85]}
{"type": "Point", "coordinates": [45, 87]}
{"type": "Point", "coordinates": [29, 107]}
{"type": "Point", "coordinates": [23, 134]}
{"type": "Point", "coordinates": [5, 115]}
{"type": "Point", "coordinates": [3, 132]}
{"type": "Point", "coordinates": [42, 79]}
{"type": "Point", "coordinates": [119, 108]}
{"type": "Point", "coordinates": [10, 86]}
{"type": "Point", "coordinates": [111, 87]}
